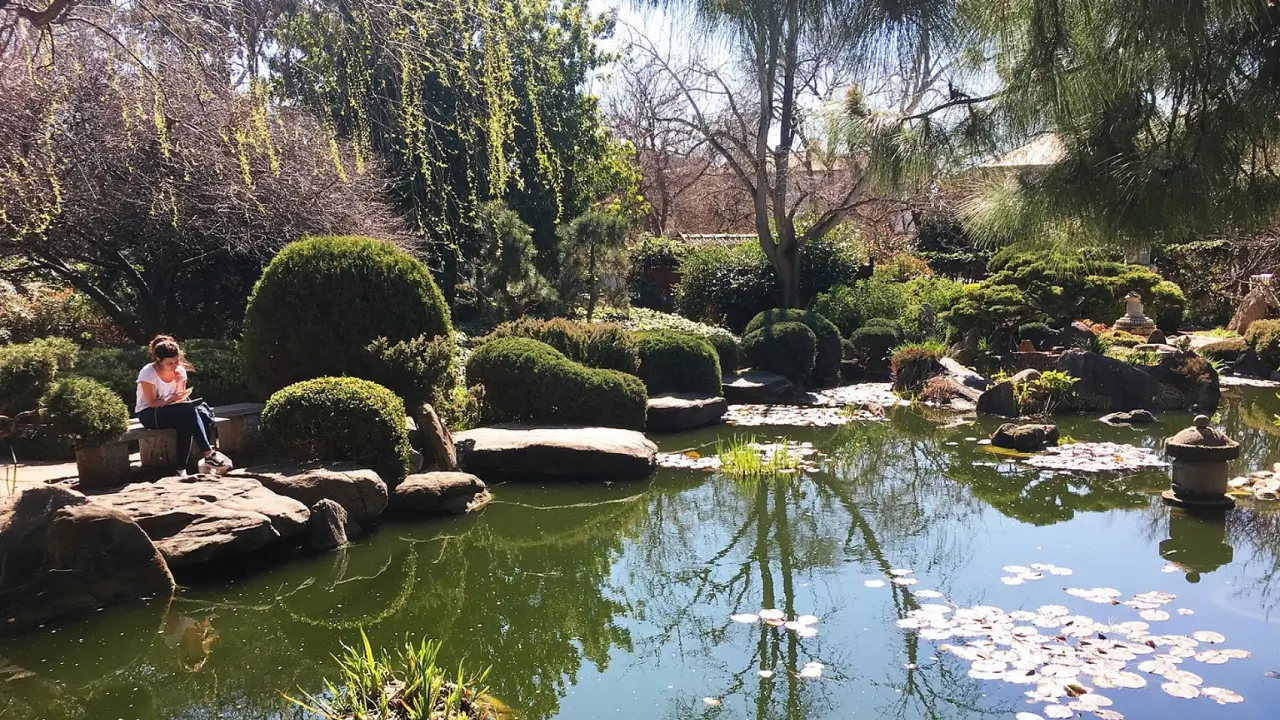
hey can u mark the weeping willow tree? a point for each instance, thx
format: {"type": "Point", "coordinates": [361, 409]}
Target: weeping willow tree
{"type": "Point", "coordinates": [468, 100]}
{"type": "Point", "coordinates": [826, 109]}
{"type": "Point", "coordinates": [1168, 114]}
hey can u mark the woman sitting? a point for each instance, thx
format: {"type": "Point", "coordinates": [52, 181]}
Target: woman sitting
{"type": "Point", "coordinates": [164, 402]}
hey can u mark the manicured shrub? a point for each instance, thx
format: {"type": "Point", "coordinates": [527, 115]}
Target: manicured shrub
{"type": "Point", "coordinates": [598, 345]}
{"type": "Point", "coordinates": [1227, 349]}
{"type": "Point", "coordinates": [84, 411]}
{"type": "Point", "coordinates": [726, 347]}
{"type": "Point", "coordinates": [27, 369]}
{"type": "Point", "coordinates": [847, 350]}
{"type": "Point", "coordinates": [827, 362]}
{"type": "Point", "coordinates": [419, 370]}
{"type": "Point", "coordinates": [1263, 337]}
{"type": "Point", "coordinates": [672, 362]}
{"type": "Point", "coordinates": [913, 365]}
{"type": "Point", "coordinates": [340, 419]}
{"type": "Point", "coordinates": [1169, 306]}
{"type": "Point", "coordinates": [884, 322]}
{"type": "Point", "coordinates": [1120, 338]}
{"type": "Point", "coordinates": [873, 343]}
{"type": "Point", "coordinates": [322, 301]}
{"type": "Point", "coordinates": [786, 348]}
{"type": "Point", "coordinates": [528, 381]}
{"type": "Point", "coordinates": [1038, 333]}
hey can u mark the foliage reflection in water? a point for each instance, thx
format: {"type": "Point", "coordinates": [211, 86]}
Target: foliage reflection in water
{"type": "Point", "coordinates": [617, 599]}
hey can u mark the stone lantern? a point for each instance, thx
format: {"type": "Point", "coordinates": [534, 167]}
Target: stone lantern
{"type": "Point", "coordinates": [1197, 544]}
{"type": "Point", "coordinates": [1200, 456]}
{"type": "Point", "coordinates": [1134, 321]}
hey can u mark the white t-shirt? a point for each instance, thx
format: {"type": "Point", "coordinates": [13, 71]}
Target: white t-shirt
{"type": "Point", "coordinates": [164, 390]}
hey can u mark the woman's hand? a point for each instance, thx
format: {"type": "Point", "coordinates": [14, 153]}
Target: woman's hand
{"type": "Point", "coordinates": [178, 397]}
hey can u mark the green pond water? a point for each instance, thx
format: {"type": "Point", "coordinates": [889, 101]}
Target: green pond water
{"type": "Point", "coordinates": [614, 600]}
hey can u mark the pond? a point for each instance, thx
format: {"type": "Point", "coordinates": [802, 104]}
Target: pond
{"type": "Point", "coordinates": [614, 600]}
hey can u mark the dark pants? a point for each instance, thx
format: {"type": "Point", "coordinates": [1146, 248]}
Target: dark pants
{"type": "Point", "coordinates": [191, 421]}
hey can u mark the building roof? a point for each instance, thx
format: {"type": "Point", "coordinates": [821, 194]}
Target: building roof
{"type": "Point", "coordinates": [1045, 149]}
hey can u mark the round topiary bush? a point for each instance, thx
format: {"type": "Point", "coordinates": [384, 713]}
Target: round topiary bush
{"type": "Point", "coordinates": [890, 323]}
{"type": "Point", "coordinates": [1169, 304]}
{"type": "Point", "coordinates": [1038, 333]}
{"type": "Point", "coordinates": [786, 348]}
{"type": "Point", "coordinates": [872, 343]}
{"type": "Point", "coordinates": [528, 381]}
{"type": "Point", "coordinates": [598, 345]}
{"type": "Point", "coordinates": [675, 362]}
{"type": "Point", "coordinates": [321, 302]}
{"type": "Point", "coordinates": [726, 347]}
{"type": "Point", "coordinates": [847, 350]}
{"type": "Point", "coordinates": [84, 411]}
{"type": "Point", "coordinates": [1263, 337]}
{"type": "Point", "coordinates": [827, 363]}
{"type": "Point", "coordinates": [340, 419]}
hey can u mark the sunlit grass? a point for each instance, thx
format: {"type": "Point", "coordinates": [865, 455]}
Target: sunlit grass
{"type": "Point", "coordinates": [743, 458]}
{"type": "Point", "coordinates": [409, 686]}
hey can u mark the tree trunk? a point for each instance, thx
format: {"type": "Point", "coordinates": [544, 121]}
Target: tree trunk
{"type": "Point", "coordinates": [595, 283]}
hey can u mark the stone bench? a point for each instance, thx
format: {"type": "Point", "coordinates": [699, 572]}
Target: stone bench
{"type": "Point", "coordinates": [109, 465]}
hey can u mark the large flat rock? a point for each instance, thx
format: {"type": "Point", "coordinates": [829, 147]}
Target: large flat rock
{"type": "Point", "coordinates": [200, 518]}
{"type": "Point", "coordinates": [358, 490]}
{"type": "Point", "coordinates": [439, 493]}
{"type": "Point", "coordinates": [61, 555]}
{"type": "Point", "coordinates": [756, 387]}
{"type": "Point", "coordinates": [678, 412]}
{"type": "Point", "coordinates": [527, 452]}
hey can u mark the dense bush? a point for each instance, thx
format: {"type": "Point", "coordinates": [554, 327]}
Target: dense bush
{"type": "Point", "coordinates": [672, 362]}
{"type": "Point", "coordinates": [901, 267]}
{"type": "Point", "coordinates": [913, 365]}
{"type": "Point", "coordinates": [340, 419]}
{"type": "Point", "coordinates": [27, 369]}
{"type": "Point", "coordinates": [419, 370]}
{"type": "Point", "coordinates": [1263, 337]}
{"type": "Point", "coordinates": [939, 293]}
{"type": "Point", "coordinates": [84, 411]}
{"type": "Point", "coordinates": [850, 306]}
{"type": "Point", "coordinates": [873, 343]}
{"type": "Point", "coordinates": [215, 376]}
{"type": "Point", "coordinates": [827, 361]}
{"type": "Point", "coordinates": [1120, 338]}
{"type": "Point", "coordinates": [598, 345]}
{"type": "Point", "coordinates": [726, 347]}
{"type": "Point", "coordinates": [651, 255]}
{"type": "Point", "coordinates": [1169, 306]}
{"type": "Point", "coordinates": [1226, 349]}
{"type": "Point", "coordinates": [37, 310]}
{"type": "Point", "coordinates": [528, 381]}
{"type": "Point", "coordinates": [321, 302]}
{"type": "Point", "coordinates": [786, 348]}
{"type": "Point", "coordinates": [1208, 272]}
{"type": "Point", "coordinates": [847, 350]}
{"type": "Point", "coordinates": [1038, 333]}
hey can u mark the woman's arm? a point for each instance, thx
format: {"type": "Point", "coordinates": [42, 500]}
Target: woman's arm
{"type": "Point", "coordinates": [149, 394]}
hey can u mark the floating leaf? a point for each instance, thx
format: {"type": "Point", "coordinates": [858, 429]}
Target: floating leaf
{"type": "Point", "coordinates": [766, 674]}
{"type": "Point", "coordinates": [1179, 690]}
{"type": "Point", "coordinates": [1015, 569]}
{"type": "Point", "coordinates": [1027, 716]}
{"type": "Point", "coordinates": [811, 671]}
{"type": "Point", "coordinates": [713, 702]}
{"type": "Point", "coordinates": [1058, 712]}
{"type": "Point", "coordinates": [1212, 657]}
{"type": "Point", "coordinates": [930, 594]}
{"type": "Point", "coordinates": [1208, 636]}
{"type": "Point", "coordinates": [1011, 580]}
{"type": "Point", "coordinates": [746, 618]}
{"type": "Point", "coordinates": [770, 615]}
{"type": "Point", "coordinates": [873, 583]}
{"type": "Point", "coordinates": [1184, 677]}
{"type": "Point", "coordinates": [1222, 696]}
{"type": "Point", "coordinates": [1061, 571]}
{"type": "Point", "coordinates": [900, 572]}
{"type": "Point", "coordinates": [904, 581]}
{"type": "Point", "coordinates": [1184, 611]}
{"type": "Point", "coordinates": [1155, 615]}
{"type": "Point", "coordinates": [1108, 715]}
{"type": "Point", "coordinates": [807, 619]}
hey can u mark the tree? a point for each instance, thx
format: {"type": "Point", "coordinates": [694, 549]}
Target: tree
{"type": "Point", "coordinates": [131, 186]}
{"type": "Point", "coordinates": [591, 242]}
{"type": "Point", "coordinates": [507, 277]}
{"type": "Point", "coordinates": [1168, 117]}
{"type": "Point", "coordinates": [773, 116]}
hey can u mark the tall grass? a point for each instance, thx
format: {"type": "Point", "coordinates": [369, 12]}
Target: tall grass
{"type": "Point", "coordinates": [742, 458]}
{"type": "Point", "coordinates": [410, 686]}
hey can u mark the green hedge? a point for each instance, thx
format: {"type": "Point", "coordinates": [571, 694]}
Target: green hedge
{"type": "Point", "coordinates": [826, 365]}
{"type": "Point", "coordinates": [322, 301]}
{"type": "Point", "coordinates": [873, 343]}
{"type": "Point", "coordinates": [27, 369]}
{"type": "Point", "coordinates": [673, 362]}
{"type": "Point", "coordinates": [528, 381]}
{"type": "Point", "coordinates": [1263, 337]}
{"type": "Point", "coordinates": [598, 345]}
{"type": "Point", "coordinates": [727, 349]}
{"type": "Point", "coordinates": [216, 375]}
{"type": "Point", "coordinates": [340, 419]}
{"type": "Point", "coordinates": [786, 348]}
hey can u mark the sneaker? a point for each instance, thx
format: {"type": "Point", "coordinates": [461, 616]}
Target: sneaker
{"type": "Point", "coordinates": [215, 463]}
{"type": "Point", "coordinates": [183, 472]}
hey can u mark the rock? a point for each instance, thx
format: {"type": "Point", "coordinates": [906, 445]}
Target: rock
{"type": "Point", "coordinates": [1025, 438]}
{"type": "Point", "coordinates": [415, 460]}
{"type": "Point", "coordinates": [201, 518]}
{"type": "Point", "coordinates": [1250, 365]}
{"type": "Point", "coordinates": [999, 400]}
{"type": "Point", "coordinates": [1025, 376]}
{"type": "Point", "coordinates": [756, 387]}
{"type": "Point", "coordinates": [1026, 346]}
{"type": "Point", "coordinates": [1105, 384]}
{"type": "Point", "coordinates": [358, 490]}
{"type": "Point", "coordinates": [966, 376]}
{"type": "Point", "coordinates": [677, 412]}
{"type": "Point", "coordinates": [519, 452]}
{"type": "Point", "coordinates": [439, 493]}
{"type": "Point", "coordinates": [946, 390]}
{"type": "Point", "coordinates": [1255, 306]}
{"type": "Point", "coordinates": [61, 555]}
{"type": "Point", "coordinates": [1162, 349]}
{"type": "Point", "coordinates": [1186, 382]}
{"type": "Point", "coordinates": [1134, 417]}
{"type": "Point", "coordinates": [1157, 338]}
{"type": "Point", "coordinates": [851, 371]}
{"type": "Point", "coordinates": [437, 443]}
{"type": "Point", "coordinates": [327, 527]}
{"type": "Point", "coordinates": [411, 427]}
